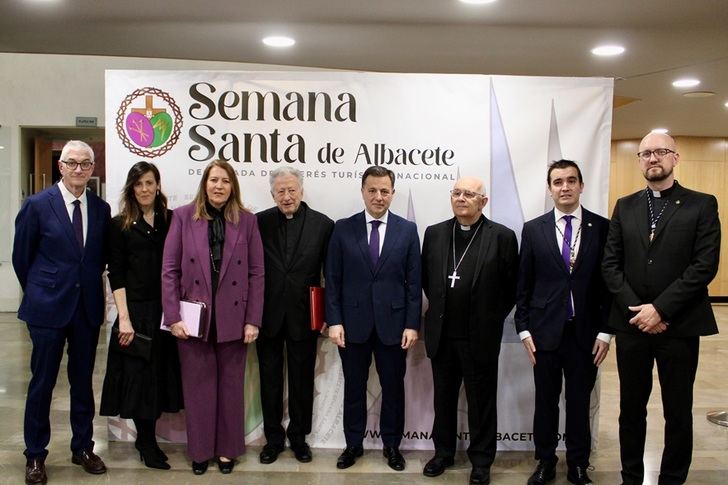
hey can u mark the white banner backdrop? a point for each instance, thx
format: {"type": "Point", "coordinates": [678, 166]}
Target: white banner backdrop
{"type": "Point", "coordinates": [429, 129]}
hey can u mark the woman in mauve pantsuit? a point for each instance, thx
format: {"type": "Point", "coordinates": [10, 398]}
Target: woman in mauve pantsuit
{"type": "Point", "coordinates": [213, 254]}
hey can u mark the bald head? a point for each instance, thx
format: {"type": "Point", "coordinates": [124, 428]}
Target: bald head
{"type": "Point", "coordinates": [658, 140]}
{"type": "Point", "coordinates": [657, 157]}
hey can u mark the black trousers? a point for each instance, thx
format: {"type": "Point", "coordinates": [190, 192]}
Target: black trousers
{"type": "Point", "coordinates": [575, 366]}
{"type": "Point", "coordinates": [300, 357]}
{"type": "Point", "coordinates": [677, 363]}
{"type": "Point", "coordinates": [45, 362]}
{"type": "Point", "coordinates": [453, 366]}
{"type": "Point", "coordinates": [391, 364]}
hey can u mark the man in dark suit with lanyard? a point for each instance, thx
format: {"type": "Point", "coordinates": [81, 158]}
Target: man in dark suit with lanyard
{"type": "Point", "coordinates": [373, 306]}
{"type": "Point", "coordinates": [561, 317]}
{"type": "Point", "coordinates": [295, 241]}
{"type": "Point", "coordinates": [59, 256]}
{"type": "Point", "coordinates": [662, 252]}
{"type": "Point", "coordinates": [469, 267]}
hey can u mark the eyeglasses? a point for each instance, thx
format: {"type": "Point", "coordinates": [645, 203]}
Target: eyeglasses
{"type": "Point", "coordinates": [455, 193]}
{"type": "Point", "coordinates": [73, 164]}
{"type": "Point", "coordinates": [658, 152]}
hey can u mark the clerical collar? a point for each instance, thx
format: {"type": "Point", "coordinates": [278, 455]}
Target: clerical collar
{"type": "Point", "coordinates": [463, 227]}
{"type": "Point", "coordinates": [657, 194]}
{"type": "Point", "coordinates": [295, 215]}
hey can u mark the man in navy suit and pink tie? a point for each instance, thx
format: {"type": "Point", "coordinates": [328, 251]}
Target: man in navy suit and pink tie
{"type": "Point", "coordinates": [373, 306]}
{"type": "Point", "coordinates": [561, 317]}
{"type": "Point", "coordinates": [59, 256]}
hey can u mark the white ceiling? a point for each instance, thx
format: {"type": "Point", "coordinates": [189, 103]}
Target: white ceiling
{"type": "Point", "coordinates": [665, 39]}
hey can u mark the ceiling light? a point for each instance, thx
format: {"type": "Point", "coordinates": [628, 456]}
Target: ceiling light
{"type": "Point", "coordinates": [3, 148]}
{"type": "Point", "coordinates": [478, 2]}
{"type": "Point", "coordinates": [607, 50]}
{"type": "Point", "coordinates": [279, 41]}
{"type": "Point", "coordinates": [686, 83]}
{"type": "Point", "coordinates": [699, 94]}
{"type": "Point", "coordinates": [726, 104]}
{"type": "Point", "coordinates": [661, 131]}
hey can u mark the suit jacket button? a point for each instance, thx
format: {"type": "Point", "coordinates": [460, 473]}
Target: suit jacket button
{"type": "Point", "coordinates": [649, 261]}
{"type": "Point", "coordinates": [197, 282]}
{"type": "Point", "coordinates": [235, 283]}
{"type": "Point", "coordinates": [239, 262]}
{"type": "Point", "coordinates": [236, 303]}
{"type": "Point", "coordinates": [78, 285]}
{"type": "Point", "coordinates": [192, 260]}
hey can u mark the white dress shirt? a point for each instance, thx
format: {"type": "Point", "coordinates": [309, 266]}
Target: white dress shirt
{"type": "Point", "coordinates": [68, 199]}
{"type": "Point", "coordinates": [382, 227]}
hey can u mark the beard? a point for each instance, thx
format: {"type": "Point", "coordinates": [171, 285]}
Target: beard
{"type": "Point", "coordinates": [657, 176]}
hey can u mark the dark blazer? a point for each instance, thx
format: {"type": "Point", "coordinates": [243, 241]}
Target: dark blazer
{"type": "Point", "coordinates": [387, 297]}
{"type": "Point", "coordinates": [493, 289]}
{"type": "Point", "coordinates": [544, 283]}
{"type": "Point", "coordinates": [186, 272]}
{"type": "Point", "coordinates": [674, 271]}
{"type": "Point", "coordinates": [287, 283]}
{"type": "Point", "coordinates": [135, 257]}
{"type": "Point", "coordinates": [53, 271]}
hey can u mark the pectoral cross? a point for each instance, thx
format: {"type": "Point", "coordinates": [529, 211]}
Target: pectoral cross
{"type": "Point", "coordinates": [454, 276]}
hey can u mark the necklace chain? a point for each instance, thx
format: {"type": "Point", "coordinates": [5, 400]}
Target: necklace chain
{"type": "Point", "coordinates": [653, 219]}
{"type": "Point", "coordinates": [572, 247]}
{"type": "Point", "coordinates": [456, 263]}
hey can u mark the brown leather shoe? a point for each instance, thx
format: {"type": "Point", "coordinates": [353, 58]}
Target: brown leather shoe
{"type": "Point", "coordinates": [35, 471]}
{"type": "Point", "coordinates": [90, 462]}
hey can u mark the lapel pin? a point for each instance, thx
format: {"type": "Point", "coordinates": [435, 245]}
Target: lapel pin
{"type": "Point", "coordinates": [589, 224]}
{"type": "Point", "coordinates": [677, 201]}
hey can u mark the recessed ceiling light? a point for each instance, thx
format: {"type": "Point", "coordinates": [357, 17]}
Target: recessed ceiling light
{"type": "Point", "coordinates": [3, 148]}
{"type": "Point", "coordinates": [279, 41]}
{"type": "Point", "coordinates": [686, 83]}
{"type": "Point", "coordinates": [478, 2]}
{"type": "Point", "coordinates": [661, 131]}
{"type": "Point", "coordinates": [726, 104]}
{"type": "Point", "coordinates": [608, 50]}
{"type": "Point", "coordinates": [699, 94]}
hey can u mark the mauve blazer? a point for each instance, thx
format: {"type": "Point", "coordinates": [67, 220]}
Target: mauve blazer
{"type": "Point", "coordinates": [186, 273]}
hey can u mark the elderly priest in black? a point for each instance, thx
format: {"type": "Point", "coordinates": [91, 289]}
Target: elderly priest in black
{"type": "Point", "coordinates": [469, 267]}
{"type": "Point", "coordinates": [295, 240]}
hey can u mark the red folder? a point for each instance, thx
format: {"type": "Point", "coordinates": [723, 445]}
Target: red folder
{"type": "Point", "coordinates": [316, 296]}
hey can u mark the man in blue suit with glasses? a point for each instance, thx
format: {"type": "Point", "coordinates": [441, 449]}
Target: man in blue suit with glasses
{"type": "Point", "coordinates": [59, 256]}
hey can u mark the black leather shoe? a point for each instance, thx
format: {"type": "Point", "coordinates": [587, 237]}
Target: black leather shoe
{"type": "Point", "coordinates": [199, 467]}
{"type": "Point", "coordinates": [436, 466]}
{"type": "Point", "coordinates": [395, 460]}
{"type": "Point", "coordinates": [578, 475]}
{"type": "Point", "coordinates": [225, 466]}
{"type": "Point", "coordinates": [480, 475]}
{"type": "Point", "coordinates": [35, 472]}
{"type": "Point", "coordinates": [302, 452]}
{"type": "Point", "coordinates": [348, 456]}
{"type": "Point", "coordinates": [90, 462]}
{"type": "Point", "coordinates": [545, 472]}
{"type": "Point", "coordinates": [270, 453]}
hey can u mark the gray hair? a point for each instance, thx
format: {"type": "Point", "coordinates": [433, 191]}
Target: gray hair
{"type": "Point", "coordinates": [76, 145]}
{"type": "Point", "coordinates": [280, 171]}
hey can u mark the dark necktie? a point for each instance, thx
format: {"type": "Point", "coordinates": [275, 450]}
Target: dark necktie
{"type": "Point", "coordinates": [374, 242]}
{"type": "Point", "coordinates": [566, 255]}
{"type": "Point", "coordinates": [78, 222]}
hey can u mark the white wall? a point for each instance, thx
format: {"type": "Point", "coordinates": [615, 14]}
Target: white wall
{"type": "Point", "coordinates": [39, 90]}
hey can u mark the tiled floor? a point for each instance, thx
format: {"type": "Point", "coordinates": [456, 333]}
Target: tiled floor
{"type": "Point", "coordinates": [710, 458]}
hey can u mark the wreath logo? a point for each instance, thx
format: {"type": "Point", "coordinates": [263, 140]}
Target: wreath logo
{"type": "Point", "coordinates": [150, 130]}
